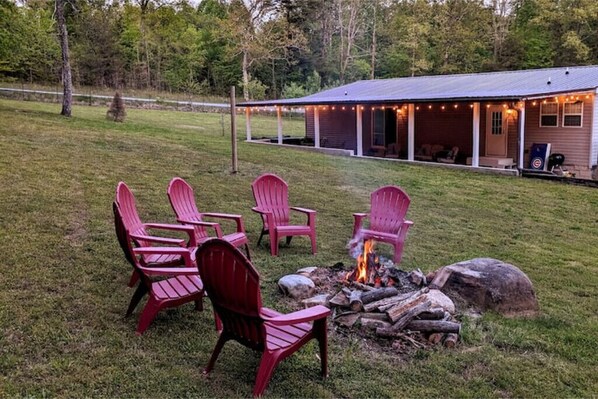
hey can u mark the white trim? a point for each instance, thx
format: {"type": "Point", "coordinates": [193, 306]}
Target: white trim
{"type": "Point", "coordinates": [316, 127]}
{"type": "Point", "coordinates": [359, 129]}
{"type": "Point", "coordinates": [279, 118]}
{"type": "Point", "coordinates": [248, 123]}
{"type": "Point", "coordinates": [476, 135]}
{"type": "Point", "coordinates": [521, 121]}
{"type": "Point", "coordinates": [557, 114]}
{"type": "Point", "coordinates": [594, 133]}
{"type": "Point", "coordinates": [411, 132]}
{"type": "Point", "coordinates": [580, 115]}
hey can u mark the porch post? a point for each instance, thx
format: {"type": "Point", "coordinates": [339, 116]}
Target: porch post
{"type": "Point", "coordinates": [279, 117]}
{"type": "Point", "coordinates": [521, 135]}
{"type": "Point", "coordinates": [411, 132]}
{"type": "Point", "coordinates": [475, 159]}
{"type": "Point", "coordinates": [358, 121]}
{"type": "Point", "coordinates": [316, 127]}
{"type": "Point", "coordinates": [248, 122]}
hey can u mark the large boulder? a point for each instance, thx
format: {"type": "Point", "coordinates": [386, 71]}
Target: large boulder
{"type": "Point", "coordinates": [488, 284]}
{"type": "Point", "coordinates": [296, 286]}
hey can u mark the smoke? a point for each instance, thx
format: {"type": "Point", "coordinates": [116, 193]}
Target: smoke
{"type": "Point", "coordinates": [355, 246]}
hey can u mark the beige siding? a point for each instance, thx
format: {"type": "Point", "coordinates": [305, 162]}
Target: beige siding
{"type": "Point", "coordinates": [572, 142]}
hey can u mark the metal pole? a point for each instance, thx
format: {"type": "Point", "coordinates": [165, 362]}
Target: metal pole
{"type": "Point", "coordinates": [233, 128]}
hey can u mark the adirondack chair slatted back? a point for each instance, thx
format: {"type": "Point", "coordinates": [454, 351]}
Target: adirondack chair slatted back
{"type": "Point", "coordinates": [232, 284]}
{"type": "Point", "coordinates": [271, 193]}
{"type": "Point", "coordinates": [125, 200]}
{"type": "Point", "coordinates": [124, 239]}
{"type": "Point", "coordinates": [389, 205]}
{"type": "Point", "coordinates": [182, 200]}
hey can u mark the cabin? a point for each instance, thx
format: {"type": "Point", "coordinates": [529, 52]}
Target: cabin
{"type": "Point", "coordinates": [491, 120]}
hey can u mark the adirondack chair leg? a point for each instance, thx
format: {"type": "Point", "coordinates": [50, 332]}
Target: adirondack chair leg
{"type": "Point", "coordinates": [289, 238]}
{"type": "Point", "coordinates": [274, 242]}
{"type": "Point", "coordinates": [219, 345]}
{"type": "Point", "coordinates": [312, 238]}
{"type": "Point", "coordinates": [217, 322]}
{"type": "Point", "coordinates": [247, 251]}
{"type": "Point", "coordinates": [149, 314]}
{"type": "Point", "coordinates": [134, 279]}
{"type": "Point", "coordinates": [321, 333]}
{"type": "Point", "coordinates": [264, 232]}
{"type": "Point", "coordinates": [199, 305]}
{"type": "Point", "coordinates": [137, 296]}
{"type": "Point", "coordinates": [398, 253]}
{"type": "Point", "coordinates": [267, 366]}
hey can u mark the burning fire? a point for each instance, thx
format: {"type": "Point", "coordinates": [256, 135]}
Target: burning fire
{"type": "Point", "coordinates": [366, 269]}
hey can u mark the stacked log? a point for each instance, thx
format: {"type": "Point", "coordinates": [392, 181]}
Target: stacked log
{"type": "Point", "coordinates": [394, 315]}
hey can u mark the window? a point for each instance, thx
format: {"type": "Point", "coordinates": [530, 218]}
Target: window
{"type": "Point", "coordinates": [549, 114]}
{"type": "Point", "coordinates": [378, 132]}
{"type": "Point", "coordinates": [496, 123]}
{"type": "Point", "coordinates": [572, 114]}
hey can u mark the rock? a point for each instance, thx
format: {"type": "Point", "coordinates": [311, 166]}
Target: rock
{"type": "Point", "coordinates": [306, 271]}
{"type": "Point", "coordinates": [321, 299]}
{"type": "Point", "coordinates": [296, 286]}
{"type": "Point", "coordinates": [488, 284]}
{"type": "Point", "coordinates": [417, 277]}
{"type": "Point", "coordinates": [440, 300]}
{"type": "Point", "coordinates": [347, 320]}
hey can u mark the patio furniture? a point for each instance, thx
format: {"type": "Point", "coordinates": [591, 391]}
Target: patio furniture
{"type": "Point", "coordinates": [182, 200]}
{"type": "Point", "coordinates": [271, 195]}
{"type": "Point", "coordinates": [388, 207]}
{"type": "Point", "coordinates": [138, 232]}
{"type": "Point", "coordinates": [427, 152]}
{"type": "Point", "coordinates": [178, 285]}
{"type": "Point", "coordinates": [234, 287]}
{"type": "Point", "coordinates": [448, 156]}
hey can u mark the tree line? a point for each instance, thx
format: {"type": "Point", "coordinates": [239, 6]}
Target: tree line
{"type": "Point", "coordinates": [288, 48]}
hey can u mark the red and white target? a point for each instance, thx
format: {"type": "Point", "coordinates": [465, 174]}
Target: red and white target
{"type": "Point", "coordinates": [537, 163]}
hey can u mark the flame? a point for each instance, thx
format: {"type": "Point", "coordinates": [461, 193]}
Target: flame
{"type": "Point", "coordinates": [361, 272]}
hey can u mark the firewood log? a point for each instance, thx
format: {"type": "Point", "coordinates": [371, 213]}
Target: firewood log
{"type": "Point", "coordinates": [450, 340]}
{"type": "Point", "coordinates": [373, 323]}
{"type": "Point", "coordinates": [377, 294]}
{"type": "Point", "coordinates": [384, 304]}
{"type": "Point", "coordinates": [432, 314]}
{"type": "Point", "coordinates": [340, 299]}
{"type": "Point", "coordinates": [400, 308]}
{"type": "Point", "coordinates": [410, 313]}
{"type": "Point", "coordinates": [434, 326]}
{"type": "Point", "coordinates": [435, 338]}
{"type": "Point", "coordinates": [355, 300]}
{"type": "Point", "coordinates": [362, 287]}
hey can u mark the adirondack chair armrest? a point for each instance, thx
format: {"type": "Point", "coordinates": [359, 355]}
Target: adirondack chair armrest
{"type": "Point", "coordinates": [169, 271]}
{"type": "Point", "coordinates": [300, 316]}
{"type": "Point", "coordinates": [175, 227]}
{"type": "Point", "coordinates": [269, 216]}
{"type": "Point", "coordinates": [358, 222]}
{"type": "Point", "coordinates": [188, 256]}
{"type": "Point", "coordinates": [303, 210]}
{"type": "Point", "coordinates": [159, 240]}
{"type": "Point", "coordinates": [310, 213]}
{"type": "Point", "coordinates": [215, 226]}
{"type": "Point", "coordinates": [237, 218]}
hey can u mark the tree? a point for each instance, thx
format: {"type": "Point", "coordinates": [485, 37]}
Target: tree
{"type": "Point", "coordinates": [67, 81]}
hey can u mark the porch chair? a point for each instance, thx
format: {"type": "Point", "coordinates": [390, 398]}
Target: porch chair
{"type": "Point", "coordinates": [233, 284]}
{"type": "Point", "coordinates": [178, 285]}
{"type": "Point", "coordinates": [271, 195]}
{"type": "Point", "coordinates": [388, 207]}
{"type": "Point", "coordinates": [138, 232]}
{"type": "Point", "coordinates": [182, 200]}
{"type": "Point", "coordinates": [448, 156]}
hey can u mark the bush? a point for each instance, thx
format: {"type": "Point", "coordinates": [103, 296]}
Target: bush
{"type": "Point", "coordinates": [116, 112]}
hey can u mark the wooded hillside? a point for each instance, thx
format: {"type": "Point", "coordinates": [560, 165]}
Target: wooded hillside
{"type": "Point", "coordinates": [275, 48]}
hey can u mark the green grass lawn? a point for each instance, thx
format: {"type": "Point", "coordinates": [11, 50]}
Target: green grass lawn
{"type": "Point", "coordinates": [63, 282]}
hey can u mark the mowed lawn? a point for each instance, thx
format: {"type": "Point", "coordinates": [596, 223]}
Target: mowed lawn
{"type": "Point", "coordinates": [63, 288]}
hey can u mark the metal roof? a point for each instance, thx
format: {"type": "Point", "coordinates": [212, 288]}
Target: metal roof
{"type": "Point", "coordinates": [511, 85]}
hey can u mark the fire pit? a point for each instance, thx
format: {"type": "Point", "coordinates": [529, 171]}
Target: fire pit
{"type": "Point", "coordinates": [379, 301]}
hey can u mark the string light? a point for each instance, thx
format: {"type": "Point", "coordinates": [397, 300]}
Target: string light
{"type": "Point", "coordinates": [487, 105]}
{"type": "Point", "coordinates": [429, 107]}
{"type": "Point", "coordinates": [417, 108]}
{"type": "Point", "coordinates": [470, 105]}
{"type": "Point", "coordinates": [456, 105]}
{"type": "Point", "coordinates": [333, 108]}
{"type": "Point", "coordinates": [352, 108]}
{"type": "Point", "coordinates": [343, 108]}
{"type": "Point", "coordinates": [442, 107]}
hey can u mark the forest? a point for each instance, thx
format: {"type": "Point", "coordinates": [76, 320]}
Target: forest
{"type": "Point", "coordinates": [287, 48]}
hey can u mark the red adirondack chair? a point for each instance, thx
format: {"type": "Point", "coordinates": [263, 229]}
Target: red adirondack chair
{"type": "Point", "coordinates": [271, 195]}
{"type": "Point", "coordinates": [182, 199]}
{"type": "Point", "coordinates": [138, 231]}
{"type": "Point", "coordinates": [388, 208]}
{"type": "Point", "coordinates": [178, 285]}
{"type": "Point", "coordinates": [234, 290]}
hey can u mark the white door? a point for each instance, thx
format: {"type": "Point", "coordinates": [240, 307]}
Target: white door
{"type": "Point", "coordinates": [496, 131]}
